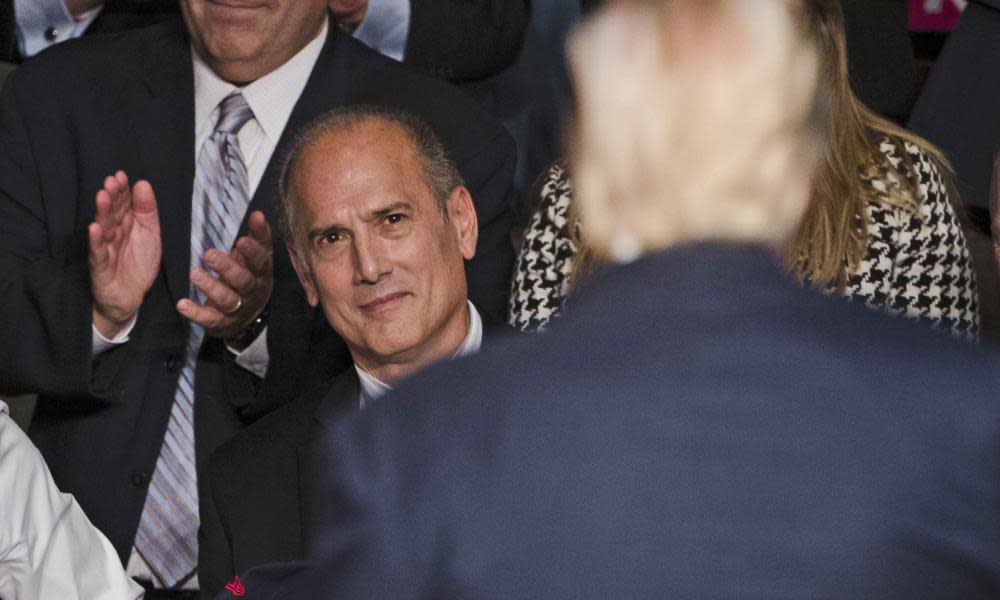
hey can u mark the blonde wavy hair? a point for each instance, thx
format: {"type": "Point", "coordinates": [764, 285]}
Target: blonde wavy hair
{"type": "Point", "coordinates": [697, 120]}
{"type": "Point", "coordinates": [832, 239]}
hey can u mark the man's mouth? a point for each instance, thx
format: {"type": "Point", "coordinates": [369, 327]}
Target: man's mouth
{"type": "Point", "coordinates": [383, 302]}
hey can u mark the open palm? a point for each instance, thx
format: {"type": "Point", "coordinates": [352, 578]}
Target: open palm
{"type": "Point", "coordinates": [125, 250]}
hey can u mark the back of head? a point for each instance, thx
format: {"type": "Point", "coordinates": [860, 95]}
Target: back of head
{"type": "Point", "coordinates": [696, 122]}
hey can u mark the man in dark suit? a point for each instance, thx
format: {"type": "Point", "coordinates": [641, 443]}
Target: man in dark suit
{"type": "Point", "coordinates": [697, 425]}
{"type": "Point", "coordinates": [73, 272]}
{"type": "Point", "coordinates": [419, 245]}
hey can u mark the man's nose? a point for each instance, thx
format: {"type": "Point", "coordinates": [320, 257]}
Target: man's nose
{"type": "Point", "coordinates": [371, 262]}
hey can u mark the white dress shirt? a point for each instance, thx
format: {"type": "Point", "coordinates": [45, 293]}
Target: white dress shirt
{"type": "Point", "coordinates": [49, 550]}
{"type": "Point", "coordinates": [373, 388]}
{"type": "Point", "coordinates": [386, 27]}
{"type": "Point", "coordinates": [42, 23]}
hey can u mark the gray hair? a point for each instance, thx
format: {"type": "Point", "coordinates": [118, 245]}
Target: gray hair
{"type": "Point", "coordinates": [437, 170]}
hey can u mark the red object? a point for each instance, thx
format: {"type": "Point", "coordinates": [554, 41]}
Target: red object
{"type": "Point", "coordinates": [935, 15]}
{"type": "Point", "coordinates": [236, 587]}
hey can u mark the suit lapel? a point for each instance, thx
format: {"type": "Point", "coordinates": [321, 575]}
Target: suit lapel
{"type": "Point", "coordinates": [326, 88]}
{"type": "Point", "coordinates": [314, 511]}
{"type": "Point", "coordinates": [164, 131]}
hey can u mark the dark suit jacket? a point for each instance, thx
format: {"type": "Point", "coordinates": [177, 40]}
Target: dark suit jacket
{"type": "Point", "coordinates": [117, 15]}
{"type": "Point", "coordinates": [262, 494]}
{"type": "Point", "coordinates": [463, 40]}
{"type": "Point", "coordinates": [957, 109]}
{"type": "Point", "coordinates": [696, 426]}
{"type": "Point", "coordinates": [251, 512]}
{"type": "Point", "coordinates": [88, 107]}
{"type": "Point", "coordinates": [880, 56]}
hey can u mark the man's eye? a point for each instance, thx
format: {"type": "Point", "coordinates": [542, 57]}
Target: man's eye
{"type": "Point", "coordinates": [395, 218]}
{"type": "Point", "coordinates": [329, 238]}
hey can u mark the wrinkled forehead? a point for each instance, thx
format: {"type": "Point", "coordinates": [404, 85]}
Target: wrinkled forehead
{"type": "Point", "coordinates": [361, 167]}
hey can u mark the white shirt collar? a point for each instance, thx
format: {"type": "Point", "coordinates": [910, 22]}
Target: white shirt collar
{"type": "Point", "coordinates": [373, 388]}
{"type": "Point", "coordinates": [271, 98]}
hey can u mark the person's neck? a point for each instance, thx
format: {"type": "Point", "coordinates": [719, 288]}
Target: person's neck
{"type": "Point", "coordinates": [444, 345]}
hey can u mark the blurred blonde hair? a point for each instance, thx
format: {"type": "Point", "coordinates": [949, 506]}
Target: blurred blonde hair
{"type": "Point", "coordinates": [832, 239]}
{"type": "Point", "coordinates": [696, 121]}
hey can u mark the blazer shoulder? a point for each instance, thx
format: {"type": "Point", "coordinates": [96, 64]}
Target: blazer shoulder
{"type": "Point", "coordinates": [104, 59]}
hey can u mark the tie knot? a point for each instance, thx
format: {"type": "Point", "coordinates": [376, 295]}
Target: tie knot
{"type": "Point", "coordinates": [234, 112]}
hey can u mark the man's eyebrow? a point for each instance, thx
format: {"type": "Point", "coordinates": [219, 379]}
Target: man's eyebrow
{"type": "Point", "coordinates": [385, 211]}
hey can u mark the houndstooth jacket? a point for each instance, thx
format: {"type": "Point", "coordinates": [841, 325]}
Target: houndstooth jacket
{"type": "Point", "coordinates": [916, 265]}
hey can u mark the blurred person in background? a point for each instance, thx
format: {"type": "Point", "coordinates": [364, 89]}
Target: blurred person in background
{"type": "Point", "coordinates": [698, 426]}
{"type": "Point", "coordinates": [881, 225]}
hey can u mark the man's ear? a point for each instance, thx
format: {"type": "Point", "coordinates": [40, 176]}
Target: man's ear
{"type": "Point", "coordinates": [305, 275]}
{"type": "Point", "coordinates": [462, 216]}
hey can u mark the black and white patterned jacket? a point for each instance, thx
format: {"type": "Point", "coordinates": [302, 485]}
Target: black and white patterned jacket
{"type": "Point", "coordinates": [916, 265]}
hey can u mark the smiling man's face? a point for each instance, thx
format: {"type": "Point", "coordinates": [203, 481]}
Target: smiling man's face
{"type": "Point", "coordinates": [376, 252]}
{"type": "Point", "coordinates": [243, 40]}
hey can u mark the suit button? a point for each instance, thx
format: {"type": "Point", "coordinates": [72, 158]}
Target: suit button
{"type": "Point", "coordinates": [51, 34]}
{"type": "Point", "coordinates": [138, 479]}
{"type": "Point", "coordinates": [173, 363]}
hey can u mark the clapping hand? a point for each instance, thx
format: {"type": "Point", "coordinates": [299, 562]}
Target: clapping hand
{"type": "Point", "coordinates": [125, 251]}
{"type": "Point", "coordinates": [240, 287]}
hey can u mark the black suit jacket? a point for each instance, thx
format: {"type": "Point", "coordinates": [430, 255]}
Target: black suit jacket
{"type": "Point", "coordinates": [880, 56]}
{"type": "Point", "coordinates": [263, 501]}
{"type": "Point", "coordinates": [252, 513]}
{"type": "Point", "coordinates": [957, 109]}
{"type": "Point", "coordinates": [465, 40]}
{"type": "Point", "coordinates": [87, 107]}
{"type": "Point", "coordinates": [696, 426]}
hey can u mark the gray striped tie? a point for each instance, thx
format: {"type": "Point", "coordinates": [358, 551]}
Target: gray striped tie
{"type": "Point", "coordinates": [168, 530]}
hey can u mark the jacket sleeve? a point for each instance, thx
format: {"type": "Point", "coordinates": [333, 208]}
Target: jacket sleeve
{"type": "Point", "coordinates": [45, 300]}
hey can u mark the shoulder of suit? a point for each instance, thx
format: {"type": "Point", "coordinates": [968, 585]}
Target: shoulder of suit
{"type": "Point", "coordinates": [285, 426]}
{"type": "Point", "coordinates": [105, 57]}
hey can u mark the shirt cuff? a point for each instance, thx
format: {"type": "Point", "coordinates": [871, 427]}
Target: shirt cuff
{"type": "Point", "coordinates": [386, 27]}
{"type": "Point", "coordinates": [42, 23]}
{"type": "Point", "coordinates": [254, 358]}
{"type": "Point", "coordinates": [100, 344]}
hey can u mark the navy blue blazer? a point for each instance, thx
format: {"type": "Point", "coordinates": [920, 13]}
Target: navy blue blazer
{"type": "Point", "coordinates": [697, 426]}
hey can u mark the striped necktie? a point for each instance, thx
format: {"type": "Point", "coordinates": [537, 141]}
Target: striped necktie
{"type": "Point", "coordinates": [168, 529]}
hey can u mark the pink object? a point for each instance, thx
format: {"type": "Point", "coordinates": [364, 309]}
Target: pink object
{"type": "Point", "coordinates": [935, 15]}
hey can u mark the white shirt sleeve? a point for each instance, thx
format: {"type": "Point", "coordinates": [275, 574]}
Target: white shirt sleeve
{"type": "Point", "coordinates": [386, 27]}
{"type": "Point", "coordinates": [254, 358]}
{"type": "Point", "coordinates": [42, 23]}
{"type": "Point", "coordinates": [49, 550]}
{"type": "Point", "coordinates": [99, 343]}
